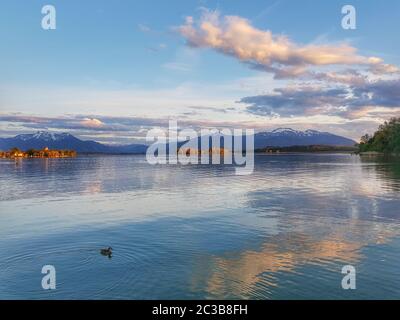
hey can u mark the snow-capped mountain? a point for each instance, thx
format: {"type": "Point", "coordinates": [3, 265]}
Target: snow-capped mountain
{"type": "Point", "coordinates": [287, 137]}
{"type": "Point", "coordinates": [281, 137]}
{"type": "Point", "coordinates": [52, 140]}
{"type": "Point", "coordinates": [43, 136]}
{"type": "Point", "coordinates": [290, 131]}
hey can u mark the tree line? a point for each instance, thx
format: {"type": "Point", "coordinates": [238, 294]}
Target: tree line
{"type": "Point", "coordinates": [386, 139]}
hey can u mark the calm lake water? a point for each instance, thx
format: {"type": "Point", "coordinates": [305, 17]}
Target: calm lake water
{"type": "Point", "coordinates": [194, 232]}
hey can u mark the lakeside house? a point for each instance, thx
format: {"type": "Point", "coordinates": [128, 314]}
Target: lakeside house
{"type": "Point", "coordinates": [32, 153]}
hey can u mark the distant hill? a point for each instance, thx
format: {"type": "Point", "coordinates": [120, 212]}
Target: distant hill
{"type": "Point", "coordinates": [60, 141]}
{"type": "Point", "coordinates": [286, 137]}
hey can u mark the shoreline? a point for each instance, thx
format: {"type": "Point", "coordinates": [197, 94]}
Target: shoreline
{"type": "Point", "coordinates": [376, 153]}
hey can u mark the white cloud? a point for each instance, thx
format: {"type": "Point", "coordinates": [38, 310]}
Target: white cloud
{"type": "Point", "coordinates": [235, 36]}
{"type": "Point", "coordinates": [144, 28]}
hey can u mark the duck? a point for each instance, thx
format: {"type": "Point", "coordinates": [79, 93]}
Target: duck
{"type": "Point", "coordinates": [106, 251]}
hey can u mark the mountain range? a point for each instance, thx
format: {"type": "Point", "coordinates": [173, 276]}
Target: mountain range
{"type": "Point", "coordinates": [282, 137]}
{"type": "Point", "coordinates": [42, 139]}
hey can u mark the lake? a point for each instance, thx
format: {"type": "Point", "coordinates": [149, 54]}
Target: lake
{"type": "Point", "coordinates": [200, 231]}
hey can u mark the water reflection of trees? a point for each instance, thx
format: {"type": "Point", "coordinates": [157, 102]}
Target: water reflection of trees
{"type": "Point", "coordinates": [387, 169]}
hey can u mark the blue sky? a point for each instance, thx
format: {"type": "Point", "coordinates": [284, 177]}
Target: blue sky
{"type": "Point", "coordinates": [113, 69]}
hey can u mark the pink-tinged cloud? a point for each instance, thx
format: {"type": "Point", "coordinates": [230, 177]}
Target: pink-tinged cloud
{"type": "Point", "coordinates": [92, 123]}
{"type": "Point", "coordinates": [235, 36]}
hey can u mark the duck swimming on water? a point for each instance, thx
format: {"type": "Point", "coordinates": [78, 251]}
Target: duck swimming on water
{"type": "Point", "coordinates": [106, 252]}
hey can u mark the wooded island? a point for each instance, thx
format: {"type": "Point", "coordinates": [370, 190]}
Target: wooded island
{"type": "Point", "coordinates": [32, 153]}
